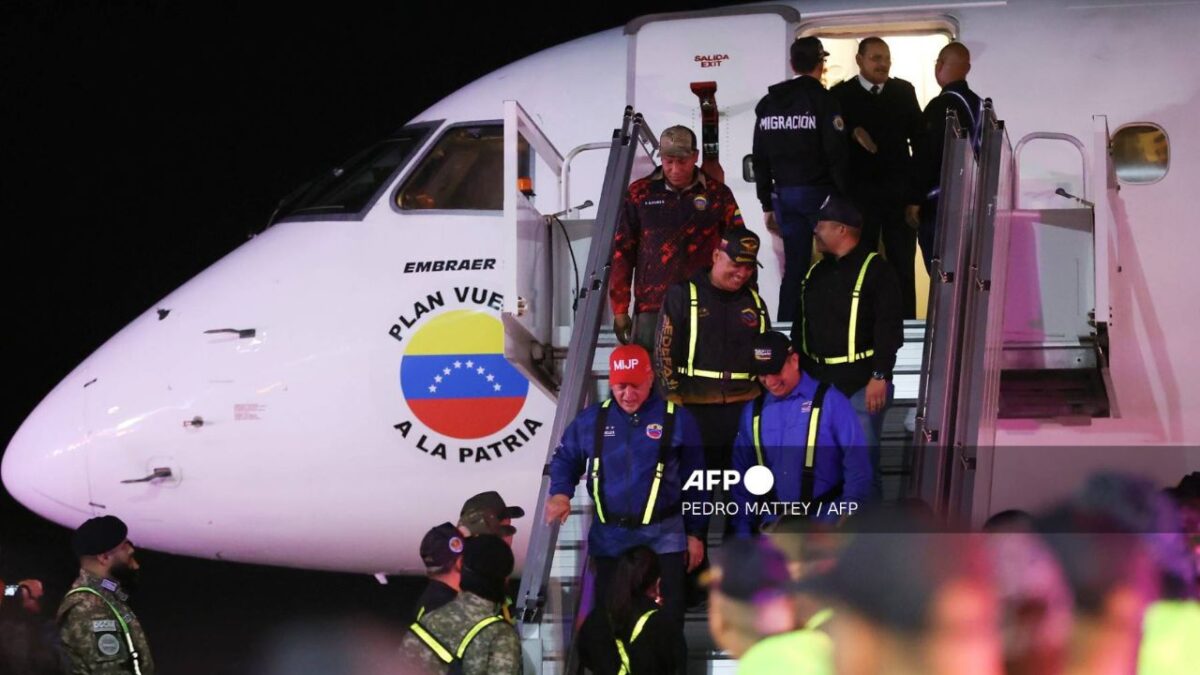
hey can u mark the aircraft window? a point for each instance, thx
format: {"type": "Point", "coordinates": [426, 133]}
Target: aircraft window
{"type": "Point", "coordinates": [1140, 153]}
{"type": "Point", "coordinates": [464, 170]}
{"type": "Point", "coordinates": [350, 187]}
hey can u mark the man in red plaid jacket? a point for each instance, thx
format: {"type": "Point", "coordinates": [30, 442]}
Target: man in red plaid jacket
{"type": "Point", "coordinates": [671, 222]}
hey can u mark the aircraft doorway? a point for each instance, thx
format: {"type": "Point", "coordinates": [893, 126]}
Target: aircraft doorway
{"type": "Point", "coordinates": [913, 57]}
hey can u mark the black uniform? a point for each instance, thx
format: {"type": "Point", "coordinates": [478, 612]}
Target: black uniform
{"type": "Point", "coordinates": [800, 155]}
{"type": "Point", "coordinates": [435, 596]}
{"type": "Point", "coordinates": [927, 155]}
{"type": "Point", "coordinates": [720, 380]}
{"type": "Point", "coordinates": [823, 331]}
{"type": "Point", "coordinates": [879, 182]}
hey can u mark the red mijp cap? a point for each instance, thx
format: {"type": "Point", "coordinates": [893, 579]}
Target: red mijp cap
{"type": "Point", "coordinates": [629, 364]}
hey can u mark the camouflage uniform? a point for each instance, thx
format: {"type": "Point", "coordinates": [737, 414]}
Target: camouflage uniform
{"type": "Point", "coordinates": [495, 649]}
{"type": "Point", "coordinates": [91, 633]}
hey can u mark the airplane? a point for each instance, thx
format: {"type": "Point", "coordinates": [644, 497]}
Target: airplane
{"type": "Point", "coordinates": [332, 388]}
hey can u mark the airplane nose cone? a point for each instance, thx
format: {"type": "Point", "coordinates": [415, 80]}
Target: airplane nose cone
{"type": "Point", "coordinates": [45, 465]}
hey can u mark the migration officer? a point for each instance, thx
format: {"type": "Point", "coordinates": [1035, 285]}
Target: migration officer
{"type": "Point", "coordinates": [637, 451]}
{"type": "Point", "coordinates": [100, 633]}
{"type": "Point", "coordinates": [806, 433]}
{"type": "Point", "coordinates": [669, 225]}
{"type": "Point", "coordinates": [800, 155]}
{"type": "Point", "coordinates": [851, 323]}
{"type": "Point", "coordinates": [704, 336]}
{"type": "Point", "coordinates": [469, 635]}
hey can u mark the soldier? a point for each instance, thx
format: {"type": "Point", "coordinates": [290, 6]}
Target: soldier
{"type": "Point", "coordinates": [441, 551]}
{"type": "Point", "coordinates": [486, 513]}
{"type": "Point", "coordinates": [469, 635]}
{"type": "Point", "coordinates": [99, 631]}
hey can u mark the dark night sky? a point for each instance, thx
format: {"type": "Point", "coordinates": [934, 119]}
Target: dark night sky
{"type": "Point", "coordinates": [142, 141]}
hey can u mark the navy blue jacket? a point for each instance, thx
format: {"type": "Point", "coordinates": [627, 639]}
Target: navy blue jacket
{"type": "Point", "coordinates": [842, 455]}
{"type": "Point", "coordinates": [631, 453]}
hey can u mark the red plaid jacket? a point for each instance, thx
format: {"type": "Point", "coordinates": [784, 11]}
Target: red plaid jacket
{"type": "Point", "coordinates": [666, 236]}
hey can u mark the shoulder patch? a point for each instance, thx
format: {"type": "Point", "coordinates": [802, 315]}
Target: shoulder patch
{"type": "Point", "coordinates": [108, 644]}
{"type": "Point", "coordinates": [838, 123]}
{"type": "Point", "coordinates": [104, 626]}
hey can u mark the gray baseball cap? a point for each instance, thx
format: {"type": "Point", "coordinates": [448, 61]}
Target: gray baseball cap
{"type": "Point", "coordinates": [677, 141]}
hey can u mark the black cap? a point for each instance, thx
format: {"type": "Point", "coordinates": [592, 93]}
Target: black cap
{"type": "Point", "coordinates": [99, 535]}
{"type": "Point", "coordinates": [750, 570]}
{"type": "Point", "coordinates": [482, 514]}
{"type": "Point", "coordinates": [741, 245]}
{"type": "Point", "coordinates": [893, 568]}
{"type": "Point", "coordinates": [441, 547]}
{"type": "Point", "coordinates": [488, 557]}
{"type": "Point", "coordinates": [806, 53]}
{"type": "Point", "coordinates": [840, 210]}
{"type": "Point", "coordinates": [771, 350]}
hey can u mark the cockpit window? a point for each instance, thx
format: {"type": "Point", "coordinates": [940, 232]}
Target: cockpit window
{"type": "Point", "coordinates": [350, 187]}
{"type": "Point", "coordinates": [463, 171]}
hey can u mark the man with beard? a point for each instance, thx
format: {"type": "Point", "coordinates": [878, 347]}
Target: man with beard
{"type": "Point", "coordinates": [100, 633]}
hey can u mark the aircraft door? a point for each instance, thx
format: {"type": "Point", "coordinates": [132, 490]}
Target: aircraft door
{"type": "Point", "coordinates": [741, 52]}
{"type": "Point", "coordinates": [531, 164]}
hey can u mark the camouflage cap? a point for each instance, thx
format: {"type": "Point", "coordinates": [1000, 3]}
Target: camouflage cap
{"type": "Point", "coordinates": [677, 141]}
{"type": "Point", "coordinates": [482, 514]}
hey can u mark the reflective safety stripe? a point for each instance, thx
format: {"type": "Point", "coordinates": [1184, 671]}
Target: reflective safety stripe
{"type": "Point", "coordinates": [664, 443]}
{"type": "Point", "coordinates": [133, 654]}
{"type": "Point", "coordinates": [851, 334]}
{"type": "Point", "coordinates": [854, 297]}
{"type": "Point", "coordinates": [637, 630]}
{"type": "Point", "coordinates": [814, 420]}
{"type": "Point", "coordinates": [466, 641]}
{"type": "Point", "coordinates": [693, 323]}
{"type": "Point", "coordinates": [756, 425]}
{"type": "Point", "coordinates": [420, 613]}
{"type": "Point", "coordinates": [819, 619]}
{"type": "Point", "coordinates": [442, 652]}
{"type": "Point", "coordinates": [693, 328]}
{"type": "Point", "coordinates": [433, 643]}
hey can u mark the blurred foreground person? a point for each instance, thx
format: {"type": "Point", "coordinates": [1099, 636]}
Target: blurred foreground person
{"type": "Point", "coordinates": [626, 633]}
{"type": "Point", "coordinates": [908, 599]}
{"type": "Point", "coordinates": [750, 595]}
{"type": "Point", "coordinates": [28, 641]}
{"type": "Point", "coordinates": [1113, 580]}
{"type": "Point", "coordinates": [469, 635]}
{"type": "Point", "coordinates": [811, 548]}
{"type": "Point", "coordinates": [1035, 601]}
{"type": "Point", "coordinates": [99, 631]}
{"type": "Point", "coordinates": [1171, 627]}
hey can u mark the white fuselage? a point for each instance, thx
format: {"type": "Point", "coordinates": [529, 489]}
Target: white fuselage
{"type": "Point", "coordinates": [298, 446]}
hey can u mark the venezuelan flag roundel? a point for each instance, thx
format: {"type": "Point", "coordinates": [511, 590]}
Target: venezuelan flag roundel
{"type": "Point", "coordinates": [455, 379]}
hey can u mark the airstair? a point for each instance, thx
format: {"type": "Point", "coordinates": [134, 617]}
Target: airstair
{"type": "Point", "coordinates": [555, 578]}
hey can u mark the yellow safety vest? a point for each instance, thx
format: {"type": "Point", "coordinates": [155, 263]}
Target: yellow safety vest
{"type": "Point", "coordinates": [443, 652]}
{"type": "Point", "coordinates": [693, 329]}
{"type": "Point", "coordinates": [664, 444]}
{"type": "Point", "coordinates": [808, 477]}
{"type": "Point", "coordinates": [621, 650]}
{"type": "Point", "coordinates": [852, 334]}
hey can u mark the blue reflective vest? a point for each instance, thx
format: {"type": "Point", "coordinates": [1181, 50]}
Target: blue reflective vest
{"type": "Point", "coordinates": [625, 480]}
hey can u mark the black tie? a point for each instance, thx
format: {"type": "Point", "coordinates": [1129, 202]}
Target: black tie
{"type": "Point", "coordinates": [874, 89]}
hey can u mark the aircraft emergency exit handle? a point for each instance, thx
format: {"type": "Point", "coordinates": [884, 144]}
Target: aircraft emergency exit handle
{"type": "Point", "coordinates": [159, 472]}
